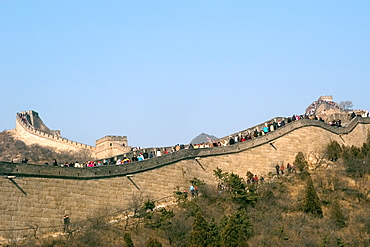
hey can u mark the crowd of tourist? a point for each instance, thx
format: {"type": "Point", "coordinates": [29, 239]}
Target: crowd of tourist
{"type": "Point", "coordinates": [140, 154]}
{"type": "Point", "coordinates": [24, 117]}
{"type": "Point", "coordinates": [280, 169]}
{"type": "Point", "coordinates": [311, 109]}
{"type": "Point", "coordinates": [76, 164]}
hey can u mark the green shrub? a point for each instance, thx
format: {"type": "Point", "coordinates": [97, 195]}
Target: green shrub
{"type": "Point", "coordinates": [128, 240]}
{"type": "Point", "coordinates": [312, 204]}
{"type": "Point", "coordinates": [154, 243]}
{"type": "Point", "coordinates": [199, 236]}
{"type": "Point", "coordinates": [149, 205]}
{"type": "Point", "coordinates": [300, 162]}
{"type": "Point", "coordinates": [336, 214]}
{"type": "Point", "coordinates": [333, 151]}
{"type": "Point", "coordinates": [237, 230]}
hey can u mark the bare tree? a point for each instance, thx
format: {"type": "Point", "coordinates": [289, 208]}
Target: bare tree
{"type": "Point", "coordinates": [34, 228]}
{"type": "Point", "coordinates": [346, 104]}
{"type": "Point", "coordinates": [135, 203]}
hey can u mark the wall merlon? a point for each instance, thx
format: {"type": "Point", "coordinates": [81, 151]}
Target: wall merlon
{"type": "Point", "coordinates": [30, 135]}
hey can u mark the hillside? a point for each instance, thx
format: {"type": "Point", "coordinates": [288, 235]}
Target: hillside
{"type": "Point", "coordinates": [273, 213]}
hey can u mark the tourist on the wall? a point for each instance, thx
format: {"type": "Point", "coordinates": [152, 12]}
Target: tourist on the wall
{"type": "Point", "coordinates": [192, 190]}
{"type": "Point", "coordinates": [282, 168]}
{"type": "Point", "coordinates": [55, 163]}
{"type": "Point", "coordinates": [66, 222]}
{"type": "Point", "coordinates": [134, 158]}
{"type": "Point", "coordinates": [277, 167]}
{"type": "Point", "coordinates": [231, 141]}
{"type": "Point", "coordinates": [140, 157]}
{"type": "Point", "coordinates": [151, 155]}
{"type": "Point", "coordinates": [289, 167]}
{"type": "Point", "coordinates": [255, 133]}
{"type": "Point", "coordinates": [145, 155]}
{"type": "Point", "coordinates": [282, 123]}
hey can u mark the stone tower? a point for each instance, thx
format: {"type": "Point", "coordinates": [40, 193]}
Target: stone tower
{"type": "Point", "coordinates": [110, 146]}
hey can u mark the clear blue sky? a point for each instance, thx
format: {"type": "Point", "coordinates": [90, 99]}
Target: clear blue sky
{"type": "Point", "coordinates": [162, 72]}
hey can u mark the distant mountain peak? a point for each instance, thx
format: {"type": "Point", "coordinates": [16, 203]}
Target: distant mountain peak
{"type": "Point", "coordinates": [203, 138]}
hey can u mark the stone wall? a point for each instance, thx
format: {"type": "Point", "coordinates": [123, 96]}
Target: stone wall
{"type": "Point", "coordinates": [30, 135]}
{"type": "Point", "coordinates": [33, 194]}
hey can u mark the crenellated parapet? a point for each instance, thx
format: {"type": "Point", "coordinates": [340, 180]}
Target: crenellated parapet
{"type": "Point", "coordinates": [109, 146]}
{"type": "Point", "coordinates": [293, 131]}
{"type": "Point", "coordinates": [32, 130]}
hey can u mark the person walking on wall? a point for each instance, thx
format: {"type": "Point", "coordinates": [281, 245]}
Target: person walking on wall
{"type": "Point", "coordinates": [282, 168]}
{"type": "Point", "coordinates": [192, 190]}
{"type": "Point", "coordinates": [66, 222]}
{"type": "Point", "coordinates": [277, 167]}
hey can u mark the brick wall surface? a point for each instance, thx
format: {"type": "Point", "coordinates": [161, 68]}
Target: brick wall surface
{"type": "Point", "coordinates": [43, 194]}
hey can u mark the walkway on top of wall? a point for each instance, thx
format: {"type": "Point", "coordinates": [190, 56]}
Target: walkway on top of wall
{"type": "Point", "coordinates": [99, 172]}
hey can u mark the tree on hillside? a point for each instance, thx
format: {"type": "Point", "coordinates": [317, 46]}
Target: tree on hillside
{"type": "Point", "coordinates": [128, 240]}
{"type": "Point", "coordinates": [153, 242]}
{"type": "Point", "coordinates": [149, 205]}
{"type": "Point", "coordinates": [346, 104]}
{"type": "Point", "coordinates": [236, 187]}
{"type": "Point", "coordinates": [196, 182]}
{"type": "Point", "coordinates": [312, 203]}
{"type": "Point", "coordinates": [199, 236]}
{"type": "Point", "coordinates": [366, 146]}
{"type": "Point", "coordinates": [237, 230]}
{"type": "Point", "coordinates": [214, 234]}
{"type": "Point", "coordinates": [239, 192]}
{"type": "Point", "coordinates": [220, 175]}
{"type": "Point", "coordinates": [356, 161]}
{"type": "Point", "coordinates": [300, 162]}
{"type": "Point", "coordinates": [336, 214]}
{"type": "Point", "coordinates": [333, 151]}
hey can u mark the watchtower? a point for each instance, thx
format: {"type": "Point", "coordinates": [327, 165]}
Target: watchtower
{"type": "Point", "coordinates": [327, 98]}
{"type": "Point", "coordinates": [110, 146]}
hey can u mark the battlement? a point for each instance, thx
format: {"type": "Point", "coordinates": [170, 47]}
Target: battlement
{"type": "Point", "coordinates": [328, 98]}
{"type": "Point", "coordinates": [296, 128]}
{"type": "Point", "coordinates": [122, 140]}
{"type": "Point", "coordinates": [32, 130]}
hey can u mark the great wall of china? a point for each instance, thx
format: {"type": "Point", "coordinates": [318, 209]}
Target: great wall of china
{"type": "Point", "coordinates": [31, 130]}
{"type": "Point", "coordinates": [41, 195]}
